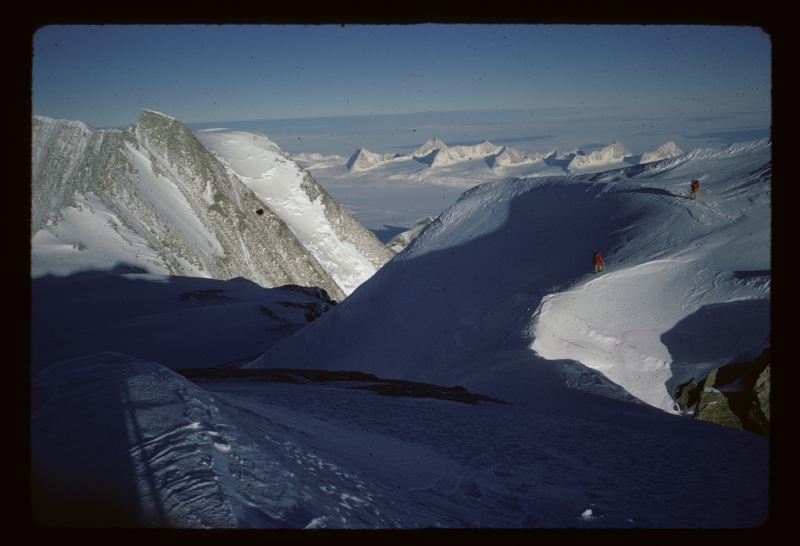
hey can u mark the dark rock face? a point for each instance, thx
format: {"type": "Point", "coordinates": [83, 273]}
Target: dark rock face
{"type": "Point", "coordinates": [735, 395]}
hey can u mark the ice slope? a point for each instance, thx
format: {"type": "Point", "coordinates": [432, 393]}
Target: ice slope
{"type": "Point", "coordinates": [501, 284]}
{"type": "Point", "coordinates": [347, 251]}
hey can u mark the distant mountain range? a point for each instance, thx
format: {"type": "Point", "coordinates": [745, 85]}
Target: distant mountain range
{"type": "Point", "coordinates": [436, 153]}
{"type": "Point", "coordinates": [158, 198]}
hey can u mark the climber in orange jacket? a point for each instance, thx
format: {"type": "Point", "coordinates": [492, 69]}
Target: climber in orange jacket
{"type": "Point", "coordinates": [597, 260]}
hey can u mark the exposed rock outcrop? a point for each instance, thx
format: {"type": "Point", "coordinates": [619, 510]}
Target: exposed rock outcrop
{"type": "Point", "coordinates": [735, 395]}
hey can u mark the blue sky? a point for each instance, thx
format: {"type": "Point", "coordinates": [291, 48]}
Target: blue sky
{"type": "Point", "coordinates": [332, 89]}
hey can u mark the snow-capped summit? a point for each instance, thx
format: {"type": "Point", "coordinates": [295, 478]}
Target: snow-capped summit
{"type": "Point", "coordinates": [613, 154]}
{"type": "Point", "coordinates": [559, 155]}
{"type": "Point", "coordinates": [154, 196]}
{"type": "Point", "coordinates": [429, 146]}
{"type": "Point", "coordinates": [665, 151]}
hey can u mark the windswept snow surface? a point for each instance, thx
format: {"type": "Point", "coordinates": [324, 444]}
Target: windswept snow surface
{"type": "Point", "coordinates": [120, 441]}
{"type": "Point", "coordinates": [497, 296]}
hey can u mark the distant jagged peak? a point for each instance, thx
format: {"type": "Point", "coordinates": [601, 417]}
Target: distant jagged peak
{"type": "Point", "coordinates": [364, 159]}
{"type": "Point", "coordinates": [613, 153]}
{"type": "Point", "coordinates": [560, 155]}
{"type": "Point", "coordinates": [617, 150]}
{"type": "Point", "coordinates": [509, 156]}
{"type": "Point", "coordinates": [484, 148]}
{"type": "Point", "coordinates": [488, 147]}
{"type": "Point", "coordinates": [429, 146]}
{"type": "Point", "coordinates": [665, 151]}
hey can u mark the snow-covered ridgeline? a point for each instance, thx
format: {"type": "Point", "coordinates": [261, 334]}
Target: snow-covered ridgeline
{"type": "Point", "coordinates": [490, 275]}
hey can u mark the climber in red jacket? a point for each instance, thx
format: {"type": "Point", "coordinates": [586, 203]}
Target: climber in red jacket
{"type": "Point", "coordinates": [695, 189]}
{"type": "Point", "coordinates": [597, 260]}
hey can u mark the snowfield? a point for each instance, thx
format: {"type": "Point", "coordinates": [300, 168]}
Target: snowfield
{"type": "Point", "coordinates": [496, 296]}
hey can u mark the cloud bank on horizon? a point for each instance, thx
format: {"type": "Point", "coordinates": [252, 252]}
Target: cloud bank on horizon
{"type": "Point", "coordinates": [332, 89]}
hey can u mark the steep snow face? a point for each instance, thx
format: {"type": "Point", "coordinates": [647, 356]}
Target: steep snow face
{"type": "Point", "coordinates": [665, 151]}
{"type": "Point", "coordinates": [610, 156]}
{"type": "Point", "coordinates": [348, 251]}
{"type": "Point", "coordinates": [506, 271]}
{"type": "Point", "coordinates": [154, 197]}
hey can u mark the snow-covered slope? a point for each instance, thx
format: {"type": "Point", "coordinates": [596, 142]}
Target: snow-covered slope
{"type": "Point", "coordinates": [507, 269]}
{"type": "Point", "coordinates": [348, 251]}
{"type": "Point", "coordinates": [155, 198]}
